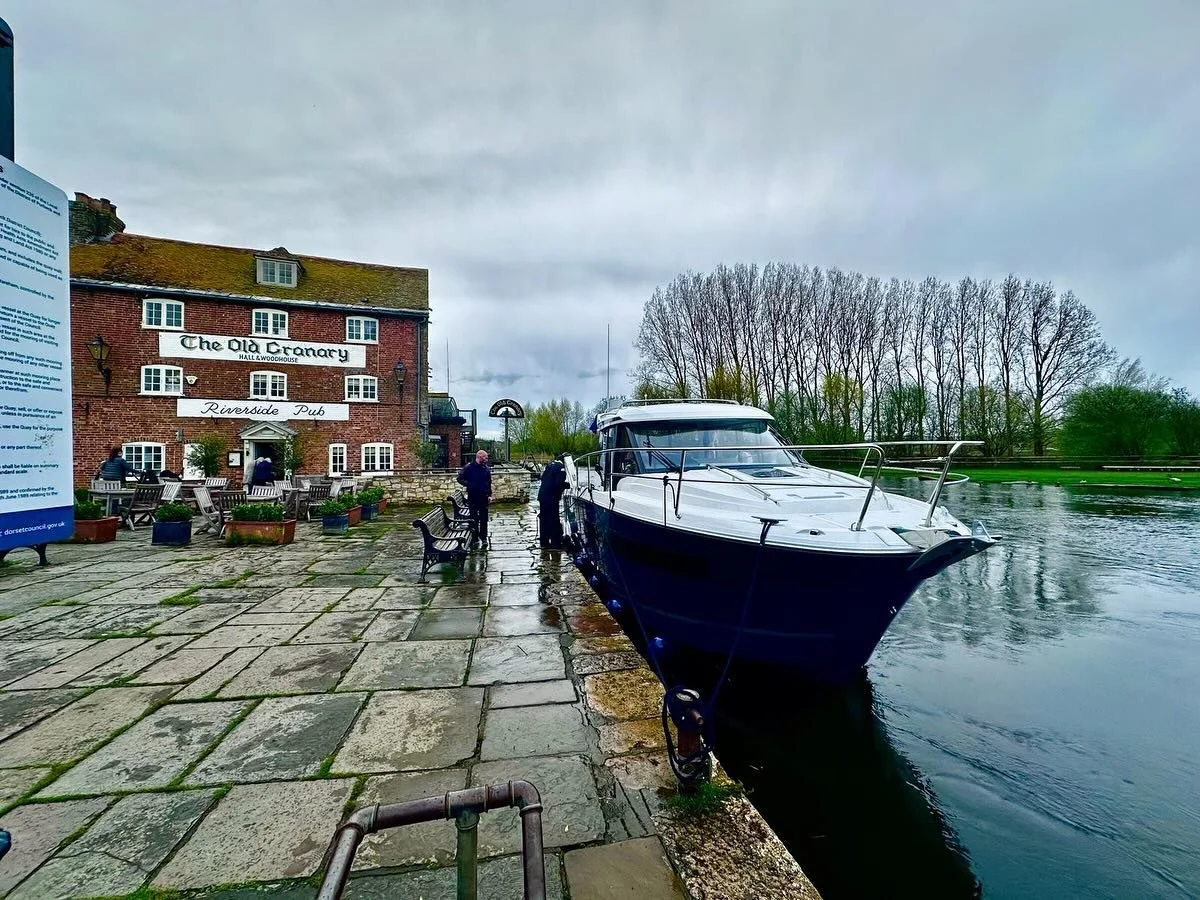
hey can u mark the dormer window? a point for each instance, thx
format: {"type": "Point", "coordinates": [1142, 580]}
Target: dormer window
{"type": "Point", "coordinates": [279, 272]}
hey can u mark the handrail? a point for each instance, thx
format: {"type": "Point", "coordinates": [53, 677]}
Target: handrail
{"type": "Point", "coordinates": [677, 400]}
{"type": "Point", "coordinates": [869, 448]}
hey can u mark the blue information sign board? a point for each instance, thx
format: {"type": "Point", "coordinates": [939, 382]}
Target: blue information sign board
{"type": "Point", "coordinates": [36, 481]}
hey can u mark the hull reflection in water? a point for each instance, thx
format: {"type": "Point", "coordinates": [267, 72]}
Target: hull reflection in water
{"type": "Point", "coordinates": [819, 765]}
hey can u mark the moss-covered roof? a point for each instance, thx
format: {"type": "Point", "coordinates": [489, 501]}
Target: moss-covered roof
{"type": "Point", "coordinates": [137, 259]}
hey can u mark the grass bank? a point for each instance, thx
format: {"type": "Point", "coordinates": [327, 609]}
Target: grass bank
{"type": "Point", "coordinates": [1086, 477]}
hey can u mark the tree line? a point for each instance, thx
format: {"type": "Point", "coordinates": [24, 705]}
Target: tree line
{"type": "Point", "coordinates": [839, 356]}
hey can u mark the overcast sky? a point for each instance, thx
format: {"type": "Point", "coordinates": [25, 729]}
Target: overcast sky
{"type": "Point", "coordinates": [551, 162]}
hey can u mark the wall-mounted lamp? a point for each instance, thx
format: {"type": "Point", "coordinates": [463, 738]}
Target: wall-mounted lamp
{"type": "Point", "coordinates": [179, 434]}
{"type": "Point", "coordinates": [100, 350]}
{"type": "Point", "coordinates": [190, 379]}
{"type": "Point", "coordinates": [399, 372]}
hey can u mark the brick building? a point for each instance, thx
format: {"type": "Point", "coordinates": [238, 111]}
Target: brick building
{"type": "Point", "coordinates": [452, 429]}
{"type": "Point", "coordinates": [253, 346]}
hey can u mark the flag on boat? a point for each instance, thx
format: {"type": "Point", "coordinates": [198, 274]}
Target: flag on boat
{"type": "Point", "coordinates": [594, 426]}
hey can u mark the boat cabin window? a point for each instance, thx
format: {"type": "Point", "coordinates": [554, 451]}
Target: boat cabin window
{"type": "Point", "coordinates": [694, 444]}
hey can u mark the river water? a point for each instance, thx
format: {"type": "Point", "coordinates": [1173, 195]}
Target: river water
{"type": "Point", "coordinates": [1028, 728]}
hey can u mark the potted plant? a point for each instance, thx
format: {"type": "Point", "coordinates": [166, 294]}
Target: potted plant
{"type": "Point", "coordinates": [353, 508]}
{"type": "Point", "coordinates": [207, 454]}
{"type": "Point", "coordinates": [259, 523]}
{"type": "Point", "coordinates": [172, 525]}
{"type": "Point", "coordinates": [370, 498]}
{"type": "Point", "coordinates": [333, 517]}
{"type": "Point", "coordinates": [92, 526]}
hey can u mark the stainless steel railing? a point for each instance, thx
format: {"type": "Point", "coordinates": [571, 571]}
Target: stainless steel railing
{"type": "Point", "coordinates": [873, 455]}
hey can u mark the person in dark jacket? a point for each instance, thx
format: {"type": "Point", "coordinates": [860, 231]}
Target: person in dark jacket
{"type": "Point", "coordinates": [115, 468]}
{"type": "Point", "coordinates": [476, 477]}
{"type": "Point", "coordinates": [264, 473]}
{"type": "Point", "coordinates": [554, 482]}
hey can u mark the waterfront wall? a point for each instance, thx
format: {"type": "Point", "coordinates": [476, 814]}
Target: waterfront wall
{"type": "Point", "coordinates": [434, 487]}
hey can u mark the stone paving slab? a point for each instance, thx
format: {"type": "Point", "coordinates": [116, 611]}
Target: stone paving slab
{"type": "Point", "coordinates": [534, 657]}
{"type": "Point", "coordinates": [411, 664]}
{"type": "Point", "coordinates": [516, 620]}
{"type": "Point", "coordinates": [499, 879]}
{"type": "Point", "coordinates": [15, 783]}
{"type": "Point", "coordinates": [200, 619]}
{"type": "Point", "coordinates": [391, 625]}
{"type": "Point", "coordinates": [182, 665]}
{"type": "Point", "coordinates": [75, 729]}
{"type": "Point", "coordinates": [429, 843]}
{"type": "Point", "coordinates": [73, 666]}
{"type": "Point", "coordinates": [637, 868]}
{"type": "Point", "coordinates": [335, 627]}
{"type": "Point", "coordinates": [246, 636]}
{"type": "Point", "coordinates": [525, 731]}
{"type": "Point", "coordinates": [291, 823]}
{"type": "Point", "coordinates": [413, 730]}
{"type": "Point", "coordinates": [208, 683]}
{"type": "Point", "coordinates": [535, 694]}
{"type": "Point", "coordinates": [152, 753]}
{"type": "Point", "coordinates": [19, 709]}
{"type": "Point", "coordinates": [41, 828]}
{"type": "Point", "coordinates": [401, 595]}
{"type": "Point", "coordinates": [118, 853]}
{"type": "Point", "coordinates": [132, 662]}
{"type": "Point", "coordinates": [299, 669]}
{"type": "Point", "coordinates": [570, 801]}
{"type": "Point", "coordinates": [462, 595]}
{"type": "Point", "coordinates": [454, 622]}
{"type": "Point", "coordinates": [284, 737]}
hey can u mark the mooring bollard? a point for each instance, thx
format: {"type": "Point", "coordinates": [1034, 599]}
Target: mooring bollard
{"type": "Point", "coordinates": [689, 757]}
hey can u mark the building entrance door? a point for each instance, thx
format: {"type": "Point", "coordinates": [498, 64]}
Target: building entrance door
{"type": "Point", "coordinates": [269, 450]}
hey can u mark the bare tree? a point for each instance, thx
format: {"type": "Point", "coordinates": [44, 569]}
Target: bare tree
{"type": "Point", "coordinates": [1009, 320]}
{"type": "Point", "coordinates": [979, 338]}
{"type": "Point", "coordinates": [1064, 351]}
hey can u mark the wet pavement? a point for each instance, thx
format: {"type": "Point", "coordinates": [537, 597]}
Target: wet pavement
{"type": "Point", "coordinates": [201, 719]}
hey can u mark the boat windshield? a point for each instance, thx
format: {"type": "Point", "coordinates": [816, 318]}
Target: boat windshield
{"type": "Point", "coordinates": [729, 443]}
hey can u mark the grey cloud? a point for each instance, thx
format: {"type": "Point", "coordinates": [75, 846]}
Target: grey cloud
{"type": "Point", "coordinates": [551, 163]}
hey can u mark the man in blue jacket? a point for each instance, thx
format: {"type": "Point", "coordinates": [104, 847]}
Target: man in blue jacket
{"type": "Point", "coordinates": [476, 477]}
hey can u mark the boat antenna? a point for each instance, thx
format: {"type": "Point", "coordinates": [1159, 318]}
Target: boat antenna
{"type": "Point", "coordinates": [447, 365]}
{"type": "Point", "coordinates": [608, 370]}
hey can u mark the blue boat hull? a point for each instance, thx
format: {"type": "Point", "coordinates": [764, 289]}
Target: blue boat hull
{"type": "Point", "coordinates": [819, 615]}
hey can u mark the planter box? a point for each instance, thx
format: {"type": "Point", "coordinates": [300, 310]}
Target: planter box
{"type": "Point", "coordinates": [382, 507]}
{"type": "Point", "coordinates": [335, 524]}
{"type": "Point", "coordinates": [172, 534]}
{"type": "Point", "coordinates": [96, 531]}
{"type": "Point", "coordinates": [261, 532]}
{"type": "Point", "coordinates": [369, 511]}
{"type": "Point", "coordinates": [355, 514]}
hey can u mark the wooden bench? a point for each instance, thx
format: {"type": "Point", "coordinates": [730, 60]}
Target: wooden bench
{"type": "Point", "coordinates": [443, 542]}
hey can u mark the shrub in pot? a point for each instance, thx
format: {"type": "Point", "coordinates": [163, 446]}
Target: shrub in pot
{"type": "Point", "coordinates": [92, 526]}
{"type": "Point", "coordinates": [369, 499]}
{"type": "Point", "coordinates": [172, 525]}
{"type": "Point", "coordinates": [259, 523]}
{"type": "Point", "coordinates": [334, 519]}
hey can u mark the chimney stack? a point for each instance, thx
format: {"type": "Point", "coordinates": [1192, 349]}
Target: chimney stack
{"type": "Point", "coordinates": [93, 220]}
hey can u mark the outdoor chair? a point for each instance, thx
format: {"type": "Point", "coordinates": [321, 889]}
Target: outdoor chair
{"type": "Point", "coordinates": [263, 492]}
{"type": "Point", "coordinates": [225, 501]}
{"type": "Point", "coordinates": [317, 494]}
{"type": "Point", "coordinates": [139, 508]}
{"type": "Point", "coordinates": [212, 515]}
{"type": "Point", "coordinates": [100, 484]}
{"type": "Point", "coordinates": [216, 483]}
{"type": "Point", "coordinates": [171, 491]}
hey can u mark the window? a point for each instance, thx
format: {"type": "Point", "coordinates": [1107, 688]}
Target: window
{"type": "Point", "coordinates": [337, 459]}
{"type": "Point", "coordinates": [362, 387]}
{"type": "Point", "coordinates": [145, 456]}
{"type": "Point", "coordinates": [162, 380]}
{"type": "Point", "coordinates": [162, 314]}
{"type": "Point", "coordinates": [277, 271]}
{"type": "Point", "coordinates": [362, 330]}
{"type": "Point", "coordinates": [269, 323]}
{"type": "Point", "coordinates": [376, 457]}
{"type": "Point", "coordinates": [268, 386]}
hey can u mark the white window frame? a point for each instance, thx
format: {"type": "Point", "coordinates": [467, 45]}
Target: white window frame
{"type": "Point", "coordinates": [163, 390]}
{"type": "Point", "coordinates": [138, 448]}
{"type": "Point", "coordinates": [270, 388]}
{"type": "Point", "coordinates": [270, 314]}
{"type": "Point", "coordinates": [163, 303]}
{"type": "Point", "coordinates": [361, 321]}
{"type": "Point", "coordinates": [281, 272]}
{"type": "Point", "coordinates": [340, 449]}
{"type": "Point", "coordinates": [376, 447]}
{"type": "Point", "coordinates": [360, 383]}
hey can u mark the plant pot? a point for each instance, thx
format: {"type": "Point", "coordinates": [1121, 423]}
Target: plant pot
{"type": "Point", "coordinates": [381, 507]}
{"type": "Point", "coordinates": [355, 514]}
{"type": "Point", "coordinates": [96, 531]}
{"type": "Point", "coordinates": [369, 511]}
{"type": "Point", "coordinates": [172, 534]}
{"type": "Point", "coordinates": [239, 533]}
{"type": "Point", "coordinates": [335, 524]}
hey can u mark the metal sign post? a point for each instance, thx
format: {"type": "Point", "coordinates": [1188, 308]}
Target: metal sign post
{"type": "Point", "coordinates": [506, 409]}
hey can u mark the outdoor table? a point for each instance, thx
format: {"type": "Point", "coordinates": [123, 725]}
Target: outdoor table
{"type": "Point", "coordinates": [111, 499]}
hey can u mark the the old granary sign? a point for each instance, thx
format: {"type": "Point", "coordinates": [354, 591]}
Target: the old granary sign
{"type": "Point", "coordinates": [277, 351]}
{"type": "Point", "coordinates": [506, 409]}
{"type": "Point", "coordinates": [262, 410]}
